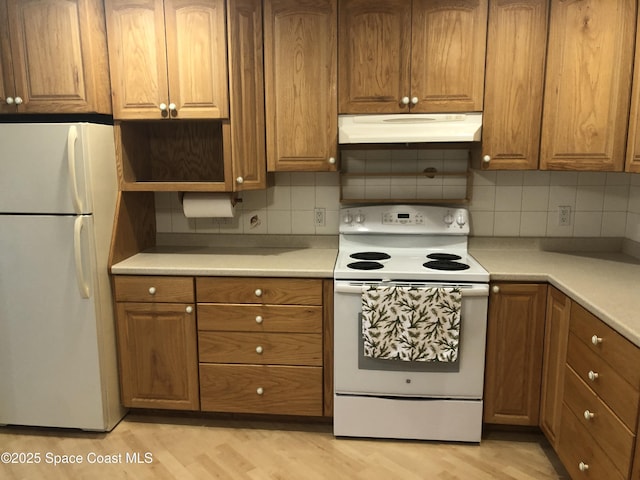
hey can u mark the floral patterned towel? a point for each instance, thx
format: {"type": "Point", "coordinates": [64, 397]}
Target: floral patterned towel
{"type": "Point", "coordinates": [411, 324]}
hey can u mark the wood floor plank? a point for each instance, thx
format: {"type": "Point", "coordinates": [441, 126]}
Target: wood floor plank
{"type": "Point", "coordinates": [195, 448]}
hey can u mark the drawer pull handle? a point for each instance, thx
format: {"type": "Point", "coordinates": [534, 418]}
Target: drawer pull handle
{"type": "Point", "coordinates": [588, 415]}
{"type": "Point", "coordinates": [259, 319]}
{"type": "Point", "coordinates": [596, 340]}
{"type": "Point", "coordinates": [189, 309]}
{"type": "Point", "coordinates": [258, 292]}
{"type": "Point", "coordinates": [259, 390]}
{"type": "Point", "coordinates": [152, 290]}
{"type": "Point", "coordinates": [593, 376]}
{"type": "Point", "coordinates": [259, 350]}
{"type": "Point", "coordinates": [583, 466]}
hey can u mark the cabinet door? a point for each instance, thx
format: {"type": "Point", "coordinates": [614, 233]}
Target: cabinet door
{"type": "Point", "coordinates": [7, 85]}
{"type": "Point", "coordinates": [59, 56]}
{"type": "Point", "coordinates": [300, 84]}
{"type": "Point", "coordinates": [553, 364]}
{"type": "Point", "coordinates": [158, 355]}
{"type": "Point", "coordinates": [448, 55]}
{"type": "Point", "coordinates": [246, 94]}
{"type": "Point", "coordinates": [514, 353]}
{"type": "Point", "coordinates": [374, 55]}
{"type": "Point", "coordinates": [516, 45]}
{"type": "Point", "coordinates": [633, 143]}
{"type": "Point", "coordinates": [587, 90]}
{"type": "Point", "coordinates": [137, 56]}
{"type": "Point", "coordinates": [197, 58]}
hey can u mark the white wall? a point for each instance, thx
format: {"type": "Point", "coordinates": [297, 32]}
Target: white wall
{"type": "Point", "coordinates": [504, 203]}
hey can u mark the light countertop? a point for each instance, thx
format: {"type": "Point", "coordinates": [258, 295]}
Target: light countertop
{"type": "Point", "coordinates": [230, 261]}
{"type": "Point", "coordinates": [606, 284]}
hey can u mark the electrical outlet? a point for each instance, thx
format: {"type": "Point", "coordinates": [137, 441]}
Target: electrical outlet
{"type": "Point", "coordinates": [319, 215]}
{"type": "Point", "coordinates": [564, 216]}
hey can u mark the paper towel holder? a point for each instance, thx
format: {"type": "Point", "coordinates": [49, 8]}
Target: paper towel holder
{"type": "Point", "coordinates": [235, 199]}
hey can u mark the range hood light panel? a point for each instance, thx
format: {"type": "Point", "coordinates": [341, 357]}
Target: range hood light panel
{"type": "Point", "coordinates": [409, 128]}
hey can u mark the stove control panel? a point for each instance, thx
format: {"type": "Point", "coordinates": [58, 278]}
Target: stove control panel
{"type": "Point", "coordinates": [419, 219]}
{"type": "Point", "coordinates": [402, 218]}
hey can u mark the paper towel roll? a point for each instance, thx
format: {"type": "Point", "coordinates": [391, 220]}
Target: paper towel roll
{"type": "Point", "coordinates": [210, 205]}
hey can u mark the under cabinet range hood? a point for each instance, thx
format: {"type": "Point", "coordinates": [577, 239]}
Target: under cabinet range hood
{"type": "Point", "coordinates": [410, 128]}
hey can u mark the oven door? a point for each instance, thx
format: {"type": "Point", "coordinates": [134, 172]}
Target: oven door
{"type": "Point", "coordinates": [358, 375]}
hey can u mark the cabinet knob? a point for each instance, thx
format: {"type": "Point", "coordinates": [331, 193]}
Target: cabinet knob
{"type": "Point", "coordinates": [9, 100]}
{"type": "Point", "coordinates": [152, 290]}
{"type": "Point", "coordinates": [258, 292]}
{"type": "Point", "coordinates": [583, 467]}
{"type": "Point", "coordinates": [18, 100]}
{"type": "Point", "coordinates": [495, 289]}
{"type": "Point", "coordinates": [240, 180]}
{"type": "Point", "coordinates": [189, 309]}
{"type": "Point", "coordinates": [163, 107]}
{"type": "Point", "coordinates": [593, 376]}
{"type": "Point", "coordinates": [332, 160]}
{"type": "Point", "coordinates": [172, 107]}
{"type": "Point", "coordinates": [588, 415]}
{"type": "Point", "coordinates": [486, 159]}
{"type": "Point", "coordinates": [596, 340]}
{"type": "Point", "coordinates": [259, 390]}
{"type": "Point", "coordinates": [405, 100]}
{"type": "Point", "coordinates": [414, 100]}
{"type": "Point", "coordinates": [259, 350]}
{"type": "Point", "coordinates": [259, 319]}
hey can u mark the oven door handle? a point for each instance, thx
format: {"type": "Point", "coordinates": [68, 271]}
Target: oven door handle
{"type": "Point", "coordinates": [468, 289]}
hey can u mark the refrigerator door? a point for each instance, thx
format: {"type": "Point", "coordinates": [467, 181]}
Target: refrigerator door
{"type": "Point", "coordinates": [42, 168]}
{"type": "Point", "coordinates": [49, 353]}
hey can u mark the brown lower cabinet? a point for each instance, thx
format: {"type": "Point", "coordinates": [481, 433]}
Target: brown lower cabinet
{"type": "Point", "coordinates": [226, 344]}
{"type": "Point", "coordinates": [514, 353]}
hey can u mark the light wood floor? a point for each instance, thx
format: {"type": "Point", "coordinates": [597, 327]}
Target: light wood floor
{"type": "Point", "coordinates": [196, 448]}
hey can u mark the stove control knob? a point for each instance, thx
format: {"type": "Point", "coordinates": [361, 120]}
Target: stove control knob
{"type": "Point", "coordinates": [360, 218]}
{"type": "Point", "coordinates": [461, 220]}
{"type": "Point", "coordinates": [448, 219]}
{"type": "Point", "coordinates": [348, 218]}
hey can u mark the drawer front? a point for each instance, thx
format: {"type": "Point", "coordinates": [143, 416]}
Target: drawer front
{"type": "Point", "coordinates": [619, 395]}
{"type": "Point", "coordinates": [276, 291]}
{"type": "Point", "coordinates": [596, 418]}
{"type": "Point", "coordinates": [617, 351]}
{"type": "Point", "coordinates": [260, 318]}
{"type": "Point", "coordinates": [576, 446]}
{"type": "Point", "coordinates": [261, 389]}
{"type": "Point", "coordinates": [261, 348]}
{"type": "Point", "coordinates": [153, 289]}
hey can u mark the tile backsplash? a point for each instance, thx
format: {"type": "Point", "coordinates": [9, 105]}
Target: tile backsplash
{"type": "Point", "coordinates": [504, 203]}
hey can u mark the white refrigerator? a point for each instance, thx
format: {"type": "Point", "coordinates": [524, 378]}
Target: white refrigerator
{"type": "Point", "coordinates": [58, 365]}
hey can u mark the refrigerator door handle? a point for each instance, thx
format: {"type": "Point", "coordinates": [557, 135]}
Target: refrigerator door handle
{"type": "Point", "coordinates": [83, 286]}
{"type": "Point", "coordinates": [72, 137]}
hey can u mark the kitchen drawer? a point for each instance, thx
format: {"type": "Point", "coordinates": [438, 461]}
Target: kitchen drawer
{"type": "Point", "coordinates": [576, 447]}
{"type": "Point", "coordinates": [153, 289]}
{"type": "Point", "coordinates": [610, 433]}
{"type": "Point", "coordinates": [259, 290]}
{"type": "Point", "coordinates": [261, 348]}
{"type": "Point", "coordinates": [261, 389]}
{"type": "Point", "coordinates": [616, 350]}
{"type": "Point", "coordinates": [260, 318]}
{"type": "Point", "coordinates": [618, 394]}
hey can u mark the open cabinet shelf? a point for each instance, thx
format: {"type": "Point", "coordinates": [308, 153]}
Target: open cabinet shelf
{"type": "Point", "coordinates": [174, 156]}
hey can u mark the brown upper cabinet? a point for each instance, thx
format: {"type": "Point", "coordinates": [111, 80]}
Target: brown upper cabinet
{"type": "Point", "coordinates": [168, 58]}
{"type": "Point", "coordinates": [516, 46]}
{"type": "Point", "coordinates": [53, 57]}
{"type": "Point", "coordinates": [300, 84]}
{"type": "Point", "coordinates": [415, 56]}
{"type": "Point", "coordinates": [588, 85]}
{"type": "Point", "coordinates": [633, 143]}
